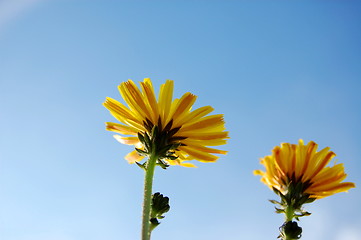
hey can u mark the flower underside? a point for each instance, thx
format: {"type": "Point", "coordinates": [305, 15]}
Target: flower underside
{"type": "Point", "coordinates": [293, 164]}
{"type": "Point", "coordinates": [189, 132]}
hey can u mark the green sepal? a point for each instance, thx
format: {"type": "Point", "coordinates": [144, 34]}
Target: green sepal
{"type": "Point", "coordinates": [142, 165]}
{"type": "Point", "coordinates": [147, 142]}
{"type": "Point", "coordinates": [159, 142]}
{"type": "Point", "coordinates": [303, 213]}
{"type": "Point", "coordinates": [293, 199]}
{"type": "Point", "coordinates": [162, 164]}
{"type": "Point", "coordinates": [275, 202]}
{"type": "Point", "coordinates": [173, 131]}
{"type": "Point", "coordinates": [310, 200]}
{"type": "Point", "coordinates": [154, 132]}
{"type": "Point", "coordinates": [141, 137]}
{"type": "Point", "coordinates": [172, 157]}
{"type": "Point", "coordinates": [174, 146]}
{"type": "Point", "coordinates": [153, 223]}
{"type": "Point", "coordinates": [142, 152]}
{"type": "Point", "coordinates": [279, 210]}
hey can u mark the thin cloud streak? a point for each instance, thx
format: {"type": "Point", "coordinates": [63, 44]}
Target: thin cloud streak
{"type": "Point", "coordinates": [13, 9]}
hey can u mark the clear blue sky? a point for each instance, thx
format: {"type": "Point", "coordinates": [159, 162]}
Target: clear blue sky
{"type": "Point", "coordinates": [278, 70]}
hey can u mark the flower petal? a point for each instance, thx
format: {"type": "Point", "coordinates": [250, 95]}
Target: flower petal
{"type": "Point", "coordinates": [127, 140]}
{"type": "Point", "coordinates": [122, 129]}
{"type": "Point", "coordinates": [133, 157]}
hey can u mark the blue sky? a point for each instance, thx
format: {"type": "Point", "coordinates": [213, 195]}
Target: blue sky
{"type": "Point", "coordinates": [278, 71]}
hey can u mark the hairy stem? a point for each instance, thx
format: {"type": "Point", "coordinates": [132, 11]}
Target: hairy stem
{"type": "Point", "coordinates": [148, 182]}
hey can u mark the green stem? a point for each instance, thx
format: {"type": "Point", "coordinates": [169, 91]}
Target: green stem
{"type": "Point", "coordinates": [289, 214]}
{"type": "Point", "coordinates": [148, 182]}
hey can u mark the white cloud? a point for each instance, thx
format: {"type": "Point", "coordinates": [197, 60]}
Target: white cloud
{"type": "Point", "coordinates": [349, 233]}
{"type": "Point", "coordinates": [12, 9]}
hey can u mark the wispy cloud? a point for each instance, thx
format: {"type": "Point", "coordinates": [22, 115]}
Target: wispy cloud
{"type": "Point", "coordinates": [349, 233]}
{"type": "Point", "coordinates": [12, 9]}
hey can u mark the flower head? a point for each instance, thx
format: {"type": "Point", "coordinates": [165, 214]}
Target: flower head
{"type": "Point", "coordinates": [301, 167]}
{"type": "Point", "coordinates": [186, 134]}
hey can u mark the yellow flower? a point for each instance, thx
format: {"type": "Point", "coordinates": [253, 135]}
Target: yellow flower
{"type": "Point", "coordinates": [191, 129]}
{"type": "Point", "coordinates": [294, 164]}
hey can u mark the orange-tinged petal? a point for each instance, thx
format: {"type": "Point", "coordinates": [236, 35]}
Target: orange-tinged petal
{"type": "Point", "coordinates": [133, 157]}
{"type": "Point", "coordinates": [310, 152]}
{"type": "Point", "coordinates": [322, 163]}
{"type": "Point", "coordinates": [278, 160]}
{"type": "Point", "coordinates": [291, 164]}
{"type": "Point", "coordinates": [329, 172]}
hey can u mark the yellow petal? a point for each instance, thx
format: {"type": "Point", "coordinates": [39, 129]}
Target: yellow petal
{"type": "Point", "coordinates": [134, 99]}
{"type": "Point", "coordinates": [207, 136]}
{"type": "Point", "coordinates": [214, 122]}
{"type": "Point", "coordinates": [165, 100]}
{"type": "Point", "coordinates": [127, 140]}
{"type": "Point", "coordinates": [144, 111]}
{"type": "Point", "coordinates": [329, 172]}
{"type": "Point", "coordinates": [282, 166]}
{"type": "Point", "coordinates": [118, 110]}
{"type": "Point", "coordinates": [200, 156]}
{"type": "Point", "coordinates": [258, 172]}
{"type": "Point", "coordinates": [184, 105]}
{"type": "Point", "coordinates": [336, 188]}
{"type": "Point", "coordinates": [198, 147]}
{"type": "Point", "coordinates": [148, 94]}
{"type": "Point", "coordinates": [323, 162]}
{"type": "Point", "coordinates": [193, 116]}
{"type": "Point", "coordinates": [122, 129]}
{"type": "Point", "coordinates": [190, 165]}
{"type": "Point", "coordinates": [310, 152]}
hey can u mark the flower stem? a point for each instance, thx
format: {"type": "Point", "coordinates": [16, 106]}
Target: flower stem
{"type": "Point", "coordinates": [290, 229]}
{"type": "Point", "coordinates": [289, 214]}
{"type": "Point", "coordinates": [148, 182]}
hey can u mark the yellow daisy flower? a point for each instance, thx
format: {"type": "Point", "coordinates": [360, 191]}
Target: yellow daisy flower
{"type": "Point", "coordinates": [302, 165]}
{"type": "Point", "coordinates": [190, 131]}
